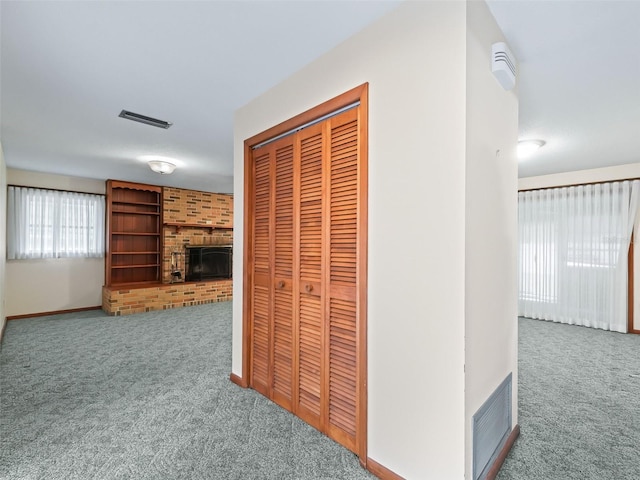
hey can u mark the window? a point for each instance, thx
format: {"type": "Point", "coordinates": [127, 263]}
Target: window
{"type": "Point", "coordinates": [54, 224]}
{"type": "Point", "coordinates": [573, 244]}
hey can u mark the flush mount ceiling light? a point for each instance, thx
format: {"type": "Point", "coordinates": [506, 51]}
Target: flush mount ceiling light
{"type": "Point", "coordinates": [526, 148]}
{"type": "Point", "coordinates": [162, 167]}
{"type": "Point", "coordinates": [136, 117]}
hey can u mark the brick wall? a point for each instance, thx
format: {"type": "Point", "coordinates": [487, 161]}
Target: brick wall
{"type": "Point", "coordinates": [193, 207]}
{"type": "Point", "coordinates": [190, 206]}
{"type": "Point", "coordinates": [163, 297]}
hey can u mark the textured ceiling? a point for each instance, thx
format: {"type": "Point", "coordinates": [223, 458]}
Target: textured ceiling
{"type": "Point", "coordinates": [579, 81]}
{"type": "Point", "coordinates": [68, 68]}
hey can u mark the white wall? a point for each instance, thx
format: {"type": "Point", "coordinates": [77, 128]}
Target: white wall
{"type": "Point", "coordinates": [47, 285]}
{"type": "Point", "coordinates": [3, 238]}
{"type": "Point", "coordinates": [414, 61]}
{"type": "Point", "coordinates": [607, 174]}
{"type": "Point", "coordinates": [491, 328]}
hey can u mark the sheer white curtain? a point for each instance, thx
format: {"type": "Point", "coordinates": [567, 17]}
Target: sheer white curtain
{"type": "Point", "coordinates": [573, 244]}
{"type": "Point", "coordinates": [52, 224]}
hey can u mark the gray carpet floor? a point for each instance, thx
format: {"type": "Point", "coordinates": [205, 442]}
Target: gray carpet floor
{"type": "Point", "coordinates": [148, 396]}
{"type": "Point", "coordinates": [579, 404]}
{"type": "Point", "coordinates": [86, 396]}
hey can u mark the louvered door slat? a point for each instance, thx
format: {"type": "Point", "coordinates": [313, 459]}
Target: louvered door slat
{"type": "Point", "coordinates": [342, 366]}
{"type": "Point", "coordinates": [344, 204]}
{"type": "Point", "coordinates": [261, 343]}
{"type": "Point", "coordinates": [261, 258]}
{"type": "Point", "coordinates": [261, 217]}
{"type": "Point", "coordinates": [343, 243]}
{"type": "Point", "coordinates": [311, 207]}
{"type": "Point", "coordinates": [310, 323]}
{"type": "Point", "coordinates": [260, 357]}
{"type": "Point", "coordinates": [310, 354]}
{"type": "Point", "coordinates": [283, 301]}
{"type": "Point", "coordinates": [282, 346]}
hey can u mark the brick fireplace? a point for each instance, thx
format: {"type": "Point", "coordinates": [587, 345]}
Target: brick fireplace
{"type": "Point", "coordinates": [190, 219]}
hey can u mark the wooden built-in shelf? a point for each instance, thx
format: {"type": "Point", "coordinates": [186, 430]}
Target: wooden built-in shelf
{"type": "Point", "coordinates": [132, 285]}
{"type": "Point", "coordinates": [134, 253]}
{"type": "Point", "coordinates": [134, 220]}
{"type": "Point", "coordinates": [211, 228]}
{"type": "Point", "coordinates": [127, 202]}
{"type": "Point", "coordinates": [149, 234]}
{"type": "Point", "coordinates": [136, 266]}
{"type": "Point", "coordinates": [135, 213]}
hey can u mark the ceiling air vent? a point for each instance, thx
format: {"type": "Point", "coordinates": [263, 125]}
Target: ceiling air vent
{"type": "Point", "coordinates": [136, 117]}
{"type": "Point", "coordinates": [503, 65]}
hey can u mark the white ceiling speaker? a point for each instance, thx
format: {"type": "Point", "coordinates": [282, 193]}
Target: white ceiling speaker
{"type": "Point", "coordinates": [503, 65]}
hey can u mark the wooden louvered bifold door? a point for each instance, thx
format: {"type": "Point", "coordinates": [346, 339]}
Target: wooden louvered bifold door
{"type": "Point", "coordinates": [341, 275]}
{"type": "Point", "coordinates": [261, 285]}
{"type": "Point", "coordinates": [306, 275]}
{"type": "Point", "coordinates": [272, 339]}
{"type": "Point", "coordinates": [282, 279]}
{"type": "Point", "coordinates": [310, 330]}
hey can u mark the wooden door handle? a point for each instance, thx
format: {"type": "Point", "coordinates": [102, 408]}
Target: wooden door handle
{"type": "Point", "coordinates": [308, 287]}
{"type": "Point", "coordinates": [280, 284]}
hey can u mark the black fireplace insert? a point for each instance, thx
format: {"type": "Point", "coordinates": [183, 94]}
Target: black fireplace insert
{"type": "Point", "coordinates": [205, 263]}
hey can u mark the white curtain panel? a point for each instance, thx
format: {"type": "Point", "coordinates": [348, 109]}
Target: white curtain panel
{"type": "Point", "coordinates": [573, 245]}
{"type": "Point", "coordinates": [53, 224]}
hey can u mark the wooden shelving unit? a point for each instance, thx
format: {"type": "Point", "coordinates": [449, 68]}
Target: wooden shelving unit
{"type": "Point", "coordinates": [178, 226]}
{"type": "Point", "coordinates": [134, 216]}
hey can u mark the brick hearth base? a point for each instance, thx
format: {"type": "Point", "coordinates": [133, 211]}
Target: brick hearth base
{"type": "Point", "coordinates": [137, 299]}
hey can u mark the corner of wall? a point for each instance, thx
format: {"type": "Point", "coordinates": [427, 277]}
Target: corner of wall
{"type": "Point", "coordinates": [3, 239]}
{"type": "Point", "coordinates": [490, 225]}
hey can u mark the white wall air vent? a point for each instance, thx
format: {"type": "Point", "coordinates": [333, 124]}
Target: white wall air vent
{"type": "Point", "coordinates": [491, 427]}
{"type": "Point", "coordinates": [503, 65]}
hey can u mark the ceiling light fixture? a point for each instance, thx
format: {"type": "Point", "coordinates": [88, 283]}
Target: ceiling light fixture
{"type": "Point", "coordinates": [162, 167]}
{"type": "Point", "coordinates": [526, 148]}
{"type": "Point", "coordinates": [136, 117]}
